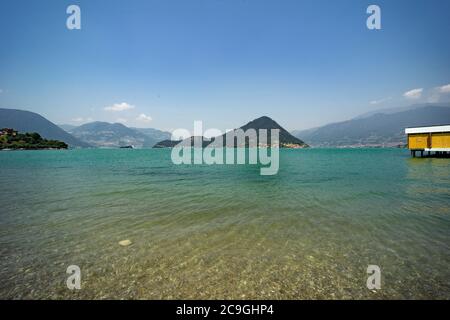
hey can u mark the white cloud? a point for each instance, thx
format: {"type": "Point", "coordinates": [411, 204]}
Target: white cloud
{"type": "Point", "coordinates": [81, 119]}
{"type": "Point", "coordinates": [413, 94]}
{"type": "Point", "coordinates": [444, 89]}
{"type": "Point", "coordinates": [117, 107]}
{"type": "Point", "coordinates": [144, 118]}
{"type": "Point", "coordinates": [374, 102]}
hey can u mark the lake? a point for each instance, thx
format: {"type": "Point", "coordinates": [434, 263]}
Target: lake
{"type": "Point", "coordinates": [224, 231]}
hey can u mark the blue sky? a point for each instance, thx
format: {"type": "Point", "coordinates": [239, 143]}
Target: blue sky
{"type": "Point", "coordinates": [226, 62]}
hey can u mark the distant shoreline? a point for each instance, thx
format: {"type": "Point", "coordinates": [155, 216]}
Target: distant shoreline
{"type": "Point", "coordinates": [33, 149]}
{"type": "Point", "coordinates": [162, 148]}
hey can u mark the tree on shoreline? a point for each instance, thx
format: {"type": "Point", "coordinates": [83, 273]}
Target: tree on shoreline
{"type": "Point", "coordinates": [12, 139]}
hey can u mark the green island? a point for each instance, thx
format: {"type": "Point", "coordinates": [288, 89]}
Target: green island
{"type": "Point", "coordinates": [11, 139]}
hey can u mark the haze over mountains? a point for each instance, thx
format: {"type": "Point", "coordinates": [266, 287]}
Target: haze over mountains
{"type": "Point", "coordinates": [67, 127]}
{"type": "Point", "coordinates": [26, 121]}
{"type": "Point", "coordinates": [114, 135]}
{"type": "Point", "coordinates": [95, 134]}
{"type": "Point", "coordinates": [155, 134]}
{"type": "Point", "coordinates": [401, 109]}
{"type": "Point", "coordinates": [382, 128]}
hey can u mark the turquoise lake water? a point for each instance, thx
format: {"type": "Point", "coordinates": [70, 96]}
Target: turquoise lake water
{"type": "Point", "coordinates": [225, 232]}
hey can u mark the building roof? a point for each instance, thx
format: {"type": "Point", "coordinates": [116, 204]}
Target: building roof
{"type": "Point", "coordinates": [432, 129]}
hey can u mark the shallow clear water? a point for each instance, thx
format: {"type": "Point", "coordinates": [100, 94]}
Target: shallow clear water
{"type": "Point", "coordinates": [224, 231]}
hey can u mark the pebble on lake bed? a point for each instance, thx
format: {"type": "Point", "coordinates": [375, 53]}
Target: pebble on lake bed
{"type": "Point", "coordinates": [125, 243]}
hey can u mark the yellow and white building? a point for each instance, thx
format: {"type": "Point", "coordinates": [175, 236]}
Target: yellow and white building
{"type": "Point", "coordinates": [429, 139]}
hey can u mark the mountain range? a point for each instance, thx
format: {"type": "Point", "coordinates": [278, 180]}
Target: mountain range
{"type": "Point", "coordinates": [26, 121]}
{"type": "Point", "coordinates": [380, 129]}
{"type": "Point", "coordinates": [94, 134]}
{"type": "Point", "coordinates": [114, 135]}
{"type": "Point", "coordinates": [286, 139]}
